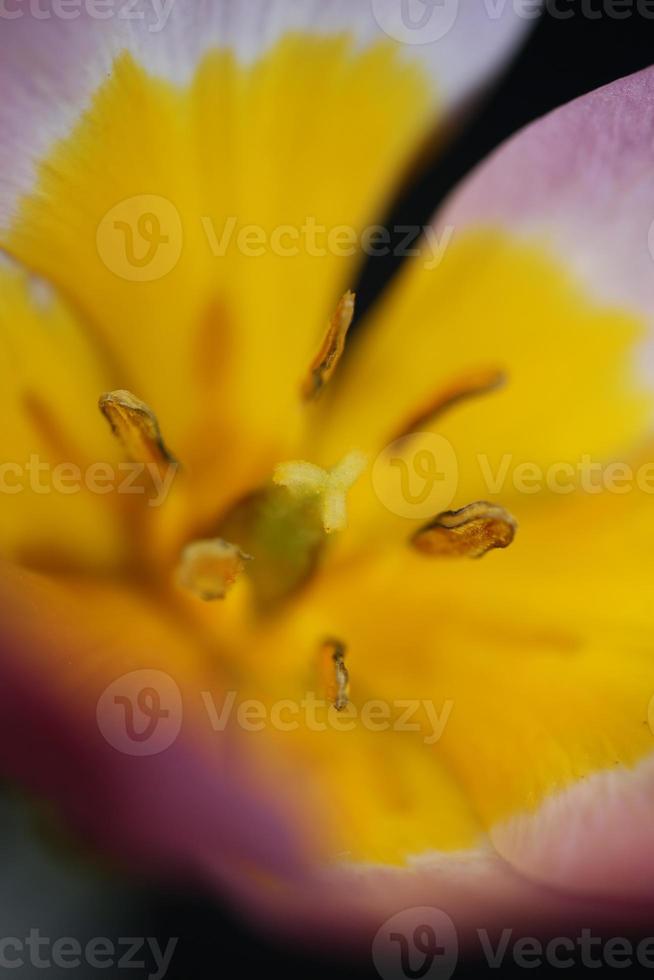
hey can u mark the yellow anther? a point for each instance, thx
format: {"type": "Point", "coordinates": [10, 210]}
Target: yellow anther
{"type": "Point", "coordinates": [331, 350]}
{"type": "Point", "coordinates": [208, 569]}
{"type": "Point", "coordinates": [335, 675]}
{"type": "Point", "coordinates": [137, 427]}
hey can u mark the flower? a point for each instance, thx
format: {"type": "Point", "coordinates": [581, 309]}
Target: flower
{"type": "Point", "coordinates": [266, 557]}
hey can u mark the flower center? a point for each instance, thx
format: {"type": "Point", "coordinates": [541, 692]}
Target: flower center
{"type": "Point", "coordinates": [285, 526]}
{"type": "Point", "coordinates": [276, 534]}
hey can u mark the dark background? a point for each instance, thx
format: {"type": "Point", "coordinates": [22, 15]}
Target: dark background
{"type": "Point", "coordinates": [40, 888]}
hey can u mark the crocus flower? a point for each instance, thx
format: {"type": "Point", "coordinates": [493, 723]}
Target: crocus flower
{"type": "Point", "coordinates": [298, 516]}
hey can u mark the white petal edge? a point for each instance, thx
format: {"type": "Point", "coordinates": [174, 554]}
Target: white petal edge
{"type": "Point", "coordinates": [481, 894]}
{"type": "Point", "coordinates": [594, 838]}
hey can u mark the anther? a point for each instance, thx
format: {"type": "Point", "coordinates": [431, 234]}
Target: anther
{"type": "Point", "coordinates": [467, 533]}
{"type": "Point", "coordinates": [338, 687]}
{"type": "Point", "coordinates": [209, 568]}
{"type": "Point", "coordinates": [331, 349]}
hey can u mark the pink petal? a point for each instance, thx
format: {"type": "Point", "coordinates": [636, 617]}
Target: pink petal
{"type": "Point", "coordinates": [580, 180]}
{"type": "Point", "coordinates": [596, 838]}
{"type": "Point", "coordinates": [195, 800]}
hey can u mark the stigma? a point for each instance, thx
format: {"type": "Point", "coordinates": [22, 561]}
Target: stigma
{"type": "Point", "coordinates": [330, 487]}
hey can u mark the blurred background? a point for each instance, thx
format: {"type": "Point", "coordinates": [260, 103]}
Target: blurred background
{"type": "Point", "coordinates": [44, 884]}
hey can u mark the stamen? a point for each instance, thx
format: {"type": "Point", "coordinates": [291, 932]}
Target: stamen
{"type": "Point", "coordinates": [467, 533]}
{"type": "Point", "coordinates": [331, 486]}
{"type": "Point", "coordinates": [471, 386]}
{"type": "Point", "coordinates": [331, 350]}
{"type": "Point", "coordinates": [136, 425]}
{"type": "Point", "coordinates": [338, 686]}
{"type": "Point", "coordinates": [209, 568]}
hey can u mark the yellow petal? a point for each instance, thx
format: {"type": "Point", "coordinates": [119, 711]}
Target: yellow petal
{"type": "Point", "coordinates": [572, 388]}
{"type": "Point", "coordinates": [194, 225]}
{"type": "Point", "coordinates": [544, 657]}
{"type": "Point", "coordinates": [53, 444]}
